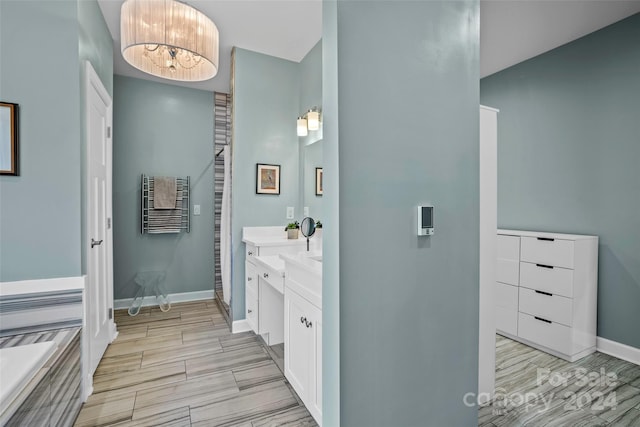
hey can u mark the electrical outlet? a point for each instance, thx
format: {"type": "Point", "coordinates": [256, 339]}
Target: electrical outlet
{"type": "Point", "coordinates": [196, 209]}
{"type": "Point", "coordinates": [290, 214]}
{"type": "Point", "coordinates": [306, 211]}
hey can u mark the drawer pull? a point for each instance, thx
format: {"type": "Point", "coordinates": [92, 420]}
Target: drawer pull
{"type": "Point", "coordinates": [544, 266]}
{"type": "Point", "coordinates": [249, 279]}
{"type": "Point", "coordinates": [546, 239]}
{"type": "Point", "coordinates": [303, 319]}
{"type": "Point", "coordinates": [249, 311]}
{"type": "Point", "coordinates": [249, 253]}
{"type": "Point", "coordinates": [544, 293]}
{"type": "Point", "coordinates": [265, 275]}
{"type": "Point", "coordinates": [542, 320]}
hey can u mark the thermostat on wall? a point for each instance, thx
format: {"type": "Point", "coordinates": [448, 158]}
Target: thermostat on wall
{"type": "Point", "coordinates": [425, 220]}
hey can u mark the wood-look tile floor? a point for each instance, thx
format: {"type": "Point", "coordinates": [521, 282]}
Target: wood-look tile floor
{"type": "Point", "coordinates": [534, 388]}
{"type": "Point", "coordinates": [185, 368]}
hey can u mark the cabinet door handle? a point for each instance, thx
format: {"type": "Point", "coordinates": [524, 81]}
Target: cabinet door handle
{"type": "Point", "coordinates": [544, 293]}
{"type": "Point", "coordinates": [249, 311]}
{"type": "Point", "coordinates": [546, 239]}
{"type": "Point", "coordinates": [544, 266]}
{"type": "Point", "coordinates": [541, 319]}
{"type": "Point", "coordinates": [265, 275]}
{"type": "Point", "coordinates": [303, 319]}
{"type": "Point", "coordinates": [249, 253]}
{"type": "Point", "coordinates": [309, 324]}
{"type": "Point", "coordinates": [249, 279]}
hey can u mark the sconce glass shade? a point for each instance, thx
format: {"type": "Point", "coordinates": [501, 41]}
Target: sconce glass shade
{"type": "Point", "coordinates": [302, 126]}
{"type": "Point", "coordinates": [169, 39]}
{"type": "Point", "coordinates": [313, 120]}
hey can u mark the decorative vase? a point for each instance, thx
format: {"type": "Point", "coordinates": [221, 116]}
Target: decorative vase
{"type": "Point", "coordinates": [292, 233]}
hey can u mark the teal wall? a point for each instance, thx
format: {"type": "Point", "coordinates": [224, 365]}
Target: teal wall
{"type": "Point", "coordinates": [408, 306]}
{"type": "Point", "coordinates": [96, 46]}
{"type": "Point", "coordinates": [161, 130]}
{"type": "Point", "coordinates": [568, 156]}
{"type": "Point", "coordinates": [40, 212]}
{"type": "Point", "coordinates": [266, 96]}
{"type": "Point", "coordinates": [331, 219]}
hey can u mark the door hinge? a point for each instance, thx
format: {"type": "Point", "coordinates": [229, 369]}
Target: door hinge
{"type": "Point", "coordinates": [108, 131]}
{"type": "Point", "coordinates": [110, 313]}
{"type": "Point", "coordinates": [108, 223]}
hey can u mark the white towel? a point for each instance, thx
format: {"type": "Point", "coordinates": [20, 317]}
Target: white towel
{"type": "Point", "coordinates": [225, 228]}
{"type": "Point", "coordinates": [165, 191]}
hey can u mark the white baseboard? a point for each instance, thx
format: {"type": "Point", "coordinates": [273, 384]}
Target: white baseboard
{"type": "Point", "coordinates": [240, 326]}
{"type": "Point", "coordinates": [616, 349]}
{"type": "Point", "coordinates": [173, 298]}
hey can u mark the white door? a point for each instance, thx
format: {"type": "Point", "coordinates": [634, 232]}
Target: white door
{"type": "Point", "coordinates": [99, 300]}
{"type": "Point", "coordinates": [298, 342]}
{"type": "Point", "coordinates": [488, 252]}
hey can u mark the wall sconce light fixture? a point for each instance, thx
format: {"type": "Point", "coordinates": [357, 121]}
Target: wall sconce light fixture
{"type": "Point", "coordinates": [310, 121]}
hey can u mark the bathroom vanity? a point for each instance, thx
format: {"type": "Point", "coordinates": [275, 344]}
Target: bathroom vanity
{"type": "Point", "coordinates": [546, 291]}
{"type": "Point", "coordinates": [264, 279]}
{"type": "Point", "coordinates": [303, 328]}
{"type": "Point", "coordinates": [283, 291]}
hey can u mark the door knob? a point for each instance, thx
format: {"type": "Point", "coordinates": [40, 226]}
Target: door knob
{"type": "Point", "coordinates": [95, 243]}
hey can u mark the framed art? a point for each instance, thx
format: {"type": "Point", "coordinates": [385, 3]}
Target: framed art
{"type": "Point", "coordinates": [8, 138]}
{"type": "Point", "coordinates": [267, 179]}
{"type": "Point", "coordinates": [318, 181]}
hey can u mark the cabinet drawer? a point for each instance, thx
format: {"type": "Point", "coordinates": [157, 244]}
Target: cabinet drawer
{"type": "Point", "coordinates": [549, 334]}
{"type": "Point", "coordinates": [555, 280]}
{"type": "Point", "coordinates": [508, 247]}
{"type": "Point", "coordinates": [506, 296]}
{"type": "Point", "coordinates": [507, 271]}
{"type": "Point", "coordinates": [250, 277]}
{"type": "Point", "coordinates": [251, 251]}
{"type": "Point", "coordinates": [538, 250]}
{"type": "Point", "coordinates": [548, 306]}
{"type": "Point", "coordinates": [293, 248]}
{"type": "Point", "coordinates": [251, 304]}
{"type": "Point", "coordinates": [272, 277]}
{"type": "Point", "coordinates": [507, 320]}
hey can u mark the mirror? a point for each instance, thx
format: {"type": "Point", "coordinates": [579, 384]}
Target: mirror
{"type": "Point", "coordinates": [308, 227]}
{"type": "Point", "coordinates": [8, 138]}
{"type": "Point", "coordinates": [311, 161]}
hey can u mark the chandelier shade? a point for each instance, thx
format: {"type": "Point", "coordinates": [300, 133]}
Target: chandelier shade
{"type": "Point", "coordinates": [169, 39]}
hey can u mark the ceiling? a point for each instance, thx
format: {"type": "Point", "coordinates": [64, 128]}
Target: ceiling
{"type": "Point", "coordinates": [511, 31]}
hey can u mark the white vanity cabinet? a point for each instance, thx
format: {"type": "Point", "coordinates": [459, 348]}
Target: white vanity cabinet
{"type": "Point", "coordinates": [546, 291]}
{"type": "Point", "coordinates": [303, 350]}
{"type": "Point", "coordinates": [264, 299]}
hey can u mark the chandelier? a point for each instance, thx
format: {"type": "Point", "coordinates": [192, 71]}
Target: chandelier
{"type": "Point", "coordinates": [169, 39]}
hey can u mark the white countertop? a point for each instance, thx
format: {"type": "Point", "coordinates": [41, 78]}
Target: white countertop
{"type": "Point", "coordinates": [273, 241]}
{"type": "Point", "coordinates": [305, 261]}
{"type": "Point", "coordinates": [559, 236]}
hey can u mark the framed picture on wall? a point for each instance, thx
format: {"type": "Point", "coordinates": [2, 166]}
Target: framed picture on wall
{"type": "Point", "coordinates": [8, 138]}
{"type": "Point", "coordinates": [267, 179]}
{"type": "Point", "coordinates": [318, 181]}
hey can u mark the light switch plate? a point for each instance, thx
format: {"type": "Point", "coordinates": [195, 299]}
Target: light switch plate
{"type": "Point", "coordinates": [196, 209]}
{"type": "Point", "coordinates": [306, 211]}
{"type": "Point", "coordinates": [290, 212]}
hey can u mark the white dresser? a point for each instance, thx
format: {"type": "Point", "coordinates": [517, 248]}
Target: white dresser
{"type": "Point", "coordinates": [546, 291]}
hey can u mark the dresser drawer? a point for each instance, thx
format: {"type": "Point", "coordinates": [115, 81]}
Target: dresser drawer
{"type": "Point", "coordinates": [507, 271]}
{"type": "Point", "coordinates": [251, 304]}
{"type": "Point", "coordinates": [554, 252]}
{"type": "Point", "coordinates": [548, 306]}
{"type": "Point", "coordinates": [506, 296]}
{"type": "Point", "coordinates": [250, 277]}
{"type": "Point", "coordinates": [549, 334]}
{"type": "Point", "coordinates": [506, 321]}
{"type": "Point", "coordinates": [555, 280]}
{"type": "Point", "coordinates": [508, 247]}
